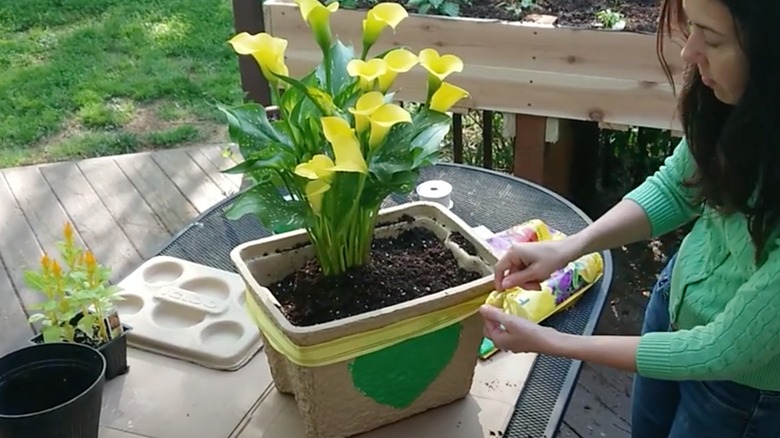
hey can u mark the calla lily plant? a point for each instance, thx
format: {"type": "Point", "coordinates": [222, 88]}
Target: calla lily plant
{"type": "Point", "coordinates": [341, 144]}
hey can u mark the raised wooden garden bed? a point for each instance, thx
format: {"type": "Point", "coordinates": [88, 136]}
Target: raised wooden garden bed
{"type": "Point", "coordinates": [612, 77]}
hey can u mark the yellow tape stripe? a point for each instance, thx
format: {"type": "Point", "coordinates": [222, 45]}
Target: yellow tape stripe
{"type": "Point", "coordinates": [349, 347]}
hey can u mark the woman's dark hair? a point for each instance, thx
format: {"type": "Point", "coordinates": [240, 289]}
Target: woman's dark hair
{"type": "Point", "coordinates": [736, 147]}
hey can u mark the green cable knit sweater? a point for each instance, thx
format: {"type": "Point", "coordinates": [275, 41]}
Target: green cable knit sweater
{"type": "Point", "coordinates": [725, 309]}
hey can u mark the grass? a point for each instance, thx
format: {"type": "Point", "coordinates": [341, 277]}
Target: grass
{"type": "Point", "coordinates": [86, 78]}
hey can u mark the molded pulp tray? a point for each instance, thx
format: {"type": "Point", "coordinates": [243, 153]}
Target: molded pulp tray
{"type": "Point", "coordinates": [189, 311]}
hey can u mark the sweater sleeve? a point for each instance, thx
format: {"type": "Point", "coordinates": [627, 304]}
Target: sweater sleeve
{"type": "Point", "coordinates": [745, 336]}
{"type": "Point", "coordinates": [663, 196]}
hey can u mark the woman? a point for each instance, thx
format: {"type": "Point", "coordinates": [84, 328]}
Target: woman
{"type": "Point", "coordinates": [708, 361]}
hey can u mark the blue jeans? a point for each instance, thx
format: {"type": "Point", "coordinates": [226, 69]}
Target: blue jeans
{"type": "Point", "coordinates": [697, 409]}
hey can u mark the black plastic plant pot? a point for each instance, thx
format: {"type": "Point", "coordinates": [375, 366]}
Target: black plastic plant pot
{"type": "Point", "coordinates": [51, 390]}
{"type": "Point", "coordinates": [114, 351]}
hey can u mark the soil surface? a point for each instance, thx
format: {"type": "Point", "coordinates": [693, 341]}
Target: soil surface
{"type": "Point", "coordinates": [461, 241]}
{"type": "Point", "coordinates": [640, 15]}
{"type": "Point", "coordinates": [412, 265]}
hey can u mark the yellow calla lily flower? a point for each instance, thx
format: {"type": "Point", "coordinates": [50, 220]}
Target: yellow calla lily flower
{"type": "Point", "coordinates": [315, 191]}
{"type": "Point", "coordinates": [367, 71]}
{"type": "Point", "coordinates": [320, 170]}
{"type": "Point", "coordinates": [379, 17]}
{"type": "Point", "coordinates": [440, 66]}
{"type": "Point", "coordinates": [346, 146]}
{"type": "Point", "coordinates": [383, 119]}
{"type": "Point", "coordinates": [364, 107]}
{"type": "Point", "coordinates": [318, 17]}
{"type": "Point", "coordinates": [398, 61]}
{"type": "Point", "coordinates": [319, 167]}
{"type": "Point", "coordinates": [446, 96]}
{"type": "Point", "coordinates": [267, 50]}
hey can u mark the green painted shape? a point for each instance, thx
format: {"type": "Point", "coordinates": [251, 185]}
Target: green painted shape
{"type": "Point", "coordinates": [487, 348]}
{"type": "Point", "coordinates": [397, 376]}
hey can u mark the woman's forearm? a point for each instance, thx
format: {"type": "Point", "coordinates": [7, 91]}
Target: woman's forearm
{"type": "Point", "coordinates": [612, 351]}
{"type": "Point", "coordinates": [623, 224]}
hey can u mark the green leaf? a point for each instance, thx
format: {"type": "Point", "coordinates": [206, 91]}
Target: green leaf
{"type": "Point", "coordinates": [398, 152]}
{"type": "Point", "coordinates": [36, 318]}
{"type": "Point", "coordinates": [341, 196]}
{"type": "Point", "coordinates": [293, 95]}
{"type": "Point", "coordinates": [86, 324]}
{"type": "Point", "coordinates": [424, 8]}
{"type": "Point", "coordinates": [400, 182]}
{"type": "Point", "coordinates": [285, 130]}
{"type": "Point", "coordinates": [49, 306]}
{"type": "Point", "coordinates": [267, 203]}
{"type": "Point", "coordinates": [436, 3]}
{"type": "Point", "coordinates": [52, 334]}
{"type": "Point", "coordinates": [303, 112]}
{"type": "Point", "coordinates": [280, 160]}
{"type": "Point", "coordinates": [248, 126]}
{"type": "Point", "coordinates": [323, 100]}
{"type": "Point", "coordinates": [427, 144]}
{"type": "Point", "coordinates": [451, 9]}
{"type": "Point", "coordinates": [34, 280]}
{"type": "Point", "coordinates": [339, 56]}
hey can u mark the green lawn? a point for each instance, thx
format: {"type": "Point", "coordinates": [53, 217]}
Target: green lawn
{"type": "Point", "coordinates": [83, 78]}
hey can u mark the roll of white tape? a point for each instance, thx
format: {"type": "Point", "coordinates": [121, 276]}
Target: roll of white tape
{"type": "Point", "coordinates": [436, 191]}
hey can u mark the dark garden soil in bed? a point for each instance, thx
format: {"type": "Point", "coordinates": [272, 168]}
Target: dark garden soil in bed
{"type": "Point", "coordinates": [460, 240]}
{"type": "Point", "coordinates": [412, 265]}
{"type": "Point", "coordinates": [640, 15]}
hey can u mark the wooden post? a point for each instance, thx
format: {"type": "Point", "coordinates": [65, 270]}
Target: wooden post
{"type": "Point", "coordinates": [586, 165]}
{"type": "Point", "coordinates": [248, 17]}
{"type": "Point", "coordinates": [543, 152]}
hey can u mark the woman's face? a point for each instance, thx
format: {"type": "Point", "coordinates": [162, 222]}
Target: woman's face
{"type": "Point", "coordinates": [714, 49]}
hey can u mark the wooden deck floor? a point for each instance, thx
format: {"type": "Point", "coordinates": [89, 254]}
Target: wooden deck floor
{"type": "Point", "coordinates": [125, 207]}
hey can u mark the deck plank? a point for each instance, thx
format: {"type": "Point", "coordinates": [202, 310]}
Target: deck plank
{"type": "Point", "coordinates": [191, 180]}
{"type": "Point", "coordinates": [97, 227]}
{"type": "Point", "coordinates": [588, 415]}
{"type": "Point", "coordinates": [19, 249]}
{"type": "Point", "coordinates": [170, 205]}
{"type": "Point", "coordinates": [612, 388]}
{"type": "Point", "coordinates": [32, 222]}
{"type": "Point", "coordinates": [126, 205]}
{"type": "Point", "coordinates": [210, 160]}
{"type": "Point", "coordinates": [15, 329]}
{"type": "Point", "coordinates": [40, 206]}
{"type": "Point", "coordinates": [567, 432]}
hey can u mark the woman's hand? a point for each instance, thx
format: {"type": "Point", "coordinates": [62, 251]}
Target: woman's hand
{"type": "Point", "coordinates": [515, 334]}
{"type": "Point", "coordinates": [518, 335]}
{"type": "Point", "coordinates": [528, 264]}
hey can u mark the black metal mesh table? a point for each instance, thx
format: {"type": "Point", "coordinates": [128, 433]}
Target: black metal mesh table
{"type": "Point", "coordinates": [481, 197]}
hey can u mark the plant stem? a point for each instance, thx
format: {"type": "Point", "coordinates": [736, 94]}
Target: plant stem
{"type": "Point", "coordinates": [101, 321]}
{"type": "Point", "coordinates": [276, 98]}
{"type": "Point", "coordinates": [326, 62]}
